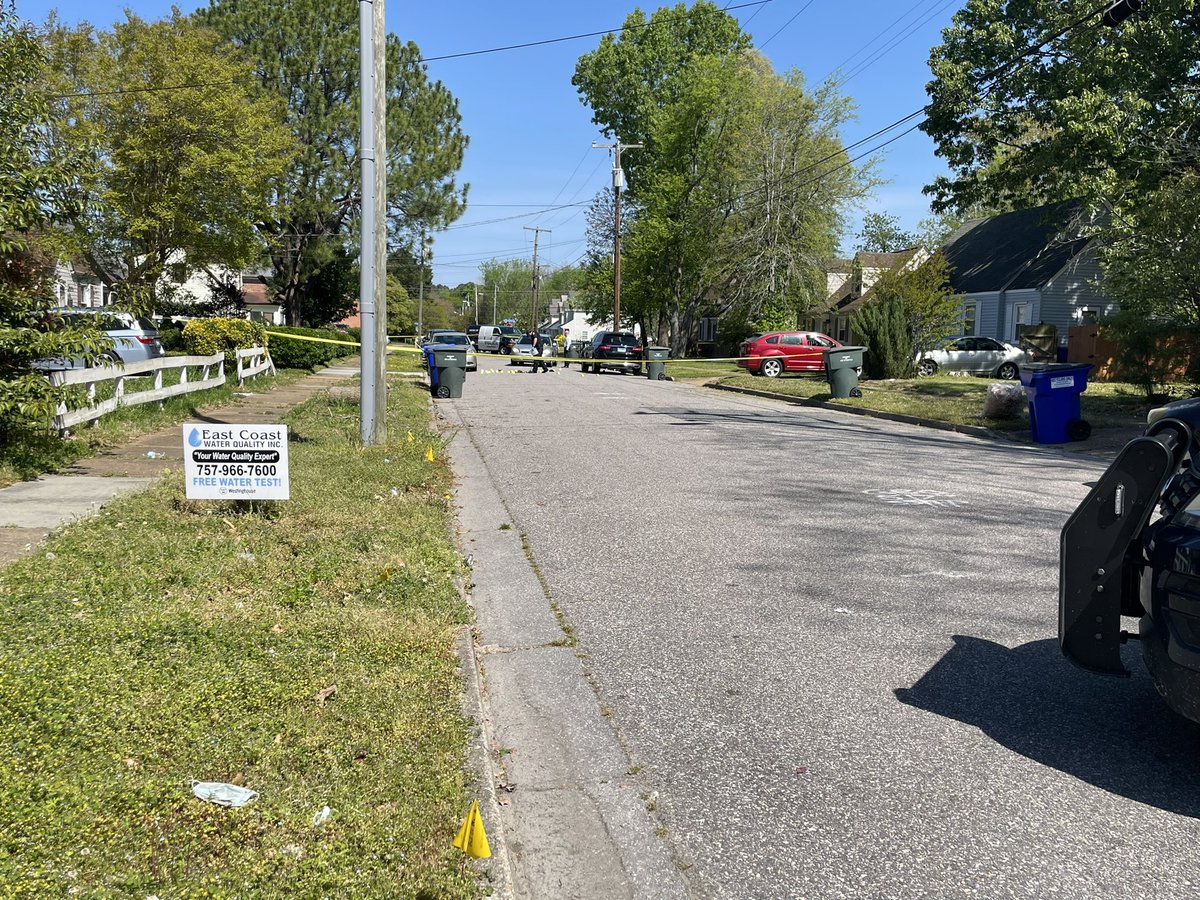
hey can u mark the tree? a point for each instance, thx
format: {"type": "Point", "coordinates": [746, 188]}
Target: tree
{"type": "Point", "coordinates": [883, 325]}
{"type": "Point", "coordinates": [35, 172]}
{"type": "Point", "coordinates": [331, 292]}
{"type": "Point", "coordinates": [510, 282]}
{"type": "Point", "coordinates": [881, 233]}
{"type": "Point", "coordinates": [932, 310]}
{"type": "Point", "coordinates": [1151, 253]}
{"type": "Point", "coordinates": [1094, 113]}
{"type": "Point", "coordinates": [306, 51]}
{"type": "Point", "coordinates": [183, 152]}
{"type": "Point", "coordinates": [740, 190]}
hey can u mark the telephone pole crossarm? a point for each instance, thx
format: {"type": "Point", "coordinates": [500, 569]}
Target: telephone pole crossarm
{"type": "Point", "coordinates": [618, 177]}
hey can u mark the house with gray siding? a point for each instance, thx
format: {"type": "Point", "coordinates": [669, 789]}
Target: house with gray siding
{"type": "Point", "coordinates": [1027, 267]}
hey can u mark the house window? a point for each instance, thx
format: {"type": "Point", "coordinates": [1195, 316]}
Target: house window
{"type": "Point", "coordinates": [970, 319]}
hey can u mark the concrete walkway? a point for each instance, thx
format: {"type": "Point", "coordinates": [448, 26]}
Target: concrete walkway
{"type": "Point", "coordinates": [30, 510]}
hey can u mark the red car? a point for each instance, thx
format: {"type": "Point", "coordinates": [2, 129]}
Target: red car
{"type": "Point", "coordinates": [785, 351]}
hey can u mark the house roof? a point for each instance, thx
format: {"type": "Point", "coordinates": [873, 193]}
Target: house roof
{"type": "Point", "coordinates": [849, 295]}
{"type": "Point", "coordinates": [1016, 250]}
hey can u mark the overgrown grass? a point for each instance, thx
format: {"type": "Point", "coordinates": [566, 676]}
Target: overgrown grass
{"type": "Point", "coordinates": [165, 640]}
{"type": "Point", "coordinates": [958, 400]}
{"type": "Point", "coordinates": [35, 453]}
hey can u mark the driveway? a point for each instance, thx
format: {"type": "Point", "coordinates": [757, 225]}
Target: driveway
{"type": "Point", "coordinates": [827, 645]}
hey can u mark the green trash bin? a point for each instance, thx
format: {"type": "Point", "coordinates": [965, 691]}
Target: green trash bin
{"type": "Point", "coordinates": [842, 366]}
{"type": "Point", "coordinates": [655, 370]}
{"type": "Point", "coordinates": [448, 372]}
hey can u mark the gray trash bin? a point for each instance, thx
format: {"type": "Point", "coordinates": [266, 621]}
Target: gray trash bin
{"type": "Point", "coordinates": [842, 365]}
{"type": "Point", "coordinates": [655, 370]}
{"type": "Point", "coordinates": [448, 372]}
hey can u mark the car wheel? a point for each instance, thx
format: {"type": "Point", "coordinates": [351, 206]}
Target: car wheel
{"type": "Point", "coordinates": [926, 367]}
{"type": "Point", "coordinates": [771, 368]}
{"type": "Point", "coordinates": [1008, 371]}
{"type": "Point", "coordinates": [1079, 430]}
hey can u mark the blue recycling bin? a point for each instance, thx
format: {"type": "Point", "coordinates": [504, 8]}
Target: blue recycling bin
{"type": "Point", "coordinates": [1053, 390]}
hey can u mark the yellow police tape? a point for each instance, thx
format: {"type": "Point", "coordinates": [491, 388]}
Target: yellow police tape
{"type": "Point", "coordinates": [401, 348]}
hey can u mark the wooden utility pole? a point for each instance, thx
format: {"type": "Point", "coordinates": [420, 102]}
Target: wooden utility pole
{"type": "Point", "coordinates": [533, 318]}
{"type": "Point", "coordinates": [618, 177]}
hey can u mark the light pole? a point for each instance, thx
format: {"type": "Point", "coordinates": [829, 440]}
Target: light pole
{"type": "Point", "coordinates": [618, 177]}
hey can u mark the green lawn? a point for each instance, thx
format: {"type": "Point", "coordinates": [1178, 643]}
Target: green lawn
{"type": "Point", "coordinates": [166, 640]}
{"type": "Point", "coordinates": [957, 400]}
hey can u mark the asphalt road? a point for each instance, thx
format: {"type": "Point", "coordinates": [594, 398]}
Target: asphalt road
{"type": "Point", "coordinates": [828, 645]}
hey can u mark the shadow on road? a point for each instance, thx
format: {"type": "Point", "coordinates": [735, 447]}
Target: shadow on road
{"type": "Point", "coordinates": [1114, 733]}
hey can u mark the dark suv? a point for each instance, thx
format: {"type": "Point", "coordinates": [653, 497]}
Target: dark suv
{"type": "Point", "coordinates": [620, 350]}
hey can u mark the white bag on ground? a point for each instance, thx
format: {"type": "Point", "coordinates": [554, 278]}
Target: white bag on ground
{"type": "Point", "coordinates": [1004, 400]}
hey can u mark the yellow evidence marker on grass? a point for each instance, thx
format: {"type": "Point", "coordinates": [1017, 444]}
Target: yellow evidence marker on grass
{"type": "Point", "coordinates": [471, 838]}
{"type": "Point", "coordinates": [429, 454]}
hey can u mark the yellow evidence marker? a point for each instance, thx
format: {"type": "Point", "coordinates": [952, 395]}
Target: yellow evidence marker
{"type": "Point", "coordinates": [471, 838]}
{"type": "Point", "coordinates": [429, 454]}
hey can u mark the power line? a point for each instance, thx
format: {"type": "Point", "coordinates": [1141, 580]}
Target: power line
{"type": "Point", "coordinates": [571, 37]}
{"type": "Point", "coordinates": [786, 24]}
{"type": "Point", "coordinates": [894, 43]}
{"type": "Point", "coordinates": [992, 79]}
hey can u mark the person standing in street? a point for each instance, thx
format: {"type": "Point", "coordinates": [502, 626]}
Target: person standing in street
{"type": "Point", "coordinates": [539, 347]}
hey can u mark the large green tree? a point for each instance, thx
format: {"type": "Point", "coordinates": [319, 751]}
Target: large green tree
{"type": "Point", "coordinates": [185, 153]}
{"type": "Point", "coordinates": [1096, 111]}
{"type": "Point", "coordinates": [306, 51]}
{"type": "Point", "coordinates": [32, 174]}
{"type": "Point", "coordinates": [740, 190]}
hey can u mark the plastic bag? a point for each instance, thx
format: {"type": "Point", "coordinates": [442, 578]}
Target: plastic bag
{"type": "Point", "coordinates": [1004, 401]}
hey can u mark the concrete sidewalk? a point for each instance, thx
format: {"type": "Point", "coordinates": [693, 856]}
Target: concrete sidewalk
{"type": "Point", "coordinates": [30, 510]}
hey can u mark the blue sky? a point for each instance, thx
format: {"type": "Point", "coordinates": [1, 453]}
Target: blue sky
{"type": "Point", "coordinates": [531, 137]}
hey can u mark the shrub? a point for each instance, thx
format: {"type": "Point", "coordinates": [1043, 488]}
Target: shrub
{"type": "Point", "coordinates": [883, 326]}
{"type": "Point", "coordinates": [170, 337]}
{"type": "Point", "coordinates": [290, 354]}
{"type": "Point", "coordinates": [204, 337]}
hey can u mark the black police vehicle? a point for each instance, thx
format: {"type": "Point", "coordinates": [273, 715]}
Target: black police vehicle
{"type": "Point", "coordinates": [1117, 558]}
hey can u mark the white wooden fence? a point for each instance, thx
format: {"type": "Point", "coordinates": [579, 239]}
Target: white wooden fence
{"type": "Point", "coordinates": [212, 375]}
{"type": "Point", "coordinates": [253, 361]}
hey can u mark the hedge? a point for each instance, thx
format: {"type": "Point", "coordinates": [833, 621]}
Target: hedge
{"type": "Point", "coordinates": [289, 354]}
{"type": "Point", "coordinates": [204, 337]}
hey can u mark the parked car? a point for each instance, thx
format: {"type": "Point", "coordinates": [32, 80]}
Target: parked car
{"type": "Point", "coordinates": [523, 351]}
{"type": "Point", "coordinates": [777, 352]}
{"type": "Point", "coordinates": [135, 338]}
{"type": "Point", "coordinates": [497, 338]}
{"type": "Point", "coordinates": [458, 339]}
{"type": "Point", "coordinates": [620, 350]}
{"type": "Point", "coordinates": [434, 335]}
{"type": "Point", "coordinates": [977, 356]}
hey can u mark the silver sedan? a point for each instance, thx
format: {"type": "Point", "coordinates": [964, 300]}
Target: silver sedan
{"type": "Point", "coordinates": [975, 356]}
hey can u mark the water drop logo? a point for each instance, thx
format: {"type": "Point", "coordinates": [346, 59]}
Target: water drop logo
{"type": "Point", "coordinates": [194, 438]}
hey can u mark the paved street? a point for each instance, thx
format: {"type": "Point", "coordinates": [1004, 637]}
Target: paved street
{"type": "Point", "coordinates": [827, 646]}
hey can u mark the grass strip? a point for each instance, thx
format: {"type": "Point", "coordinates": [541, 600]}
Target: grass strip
{"type": "Point", "coordinates": [958, 400]}
{"type": "Point", "coordinates": [166, 640]}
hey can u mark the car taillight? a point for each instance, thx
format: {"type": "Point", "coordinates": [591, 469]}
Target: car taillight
{"type": "Point", "coordinates": [145, 340]}
{"type": "Point", "coordinates": [637, 349]}
{"type": "Point", "coordinates": [605, 347]}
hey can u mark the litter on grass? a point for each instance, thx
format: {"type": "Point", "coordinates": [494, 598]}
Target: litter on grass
{"type": "Point", "coordinates": [322, 816]}
{"type": "Point", "coordinates": [222, 794]}
{"type": "Point", "coordinates": [1004, 401]}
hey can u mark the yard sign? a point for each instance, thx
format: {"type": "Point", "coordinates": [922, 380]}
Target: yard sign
{"type": "Point", "coordinates": [235, 462]}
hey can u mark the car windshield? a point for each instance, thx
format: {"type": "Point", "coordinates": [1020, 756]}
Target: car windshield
{"type": "Point", "coordinates": [508, 330]}
{"type": "Point", "coordinates": [453, 339]}
{"type": "Point", "coordinates": [525, 339]}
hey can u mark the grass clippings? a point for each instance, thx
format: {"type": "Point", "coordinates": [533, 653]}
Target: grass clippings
{"type": "Point", "coordinates": [302, 649]}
